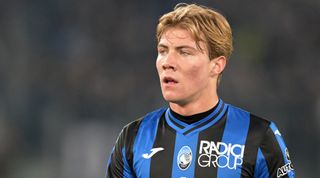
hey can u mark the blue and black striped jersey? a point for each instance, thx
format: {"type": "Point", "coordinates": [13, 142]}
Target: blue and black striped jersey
{"type": "Point", "coordinates": [228, 143]}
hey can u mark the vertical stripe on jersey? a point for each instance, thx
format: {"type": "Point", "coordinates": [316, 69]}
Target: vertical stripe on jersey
{"type": "Point", "coordinates": [162, 161]}
{"type": "Point", "coordinates": [283, 147]}
{"type": "Point", "coordinates": [280, 140]}
{"type": "Point", "coordinates": [190, 141]}
{"type": "Point", "coordinates": [109, 163]}
{"type": "Point", "coordinates": [272, 152]}
{"type": "Point", "coordinates": [144, 142]}
{"type": "Point", "coordinates": [126, 168]}
{"type": "Point", "coordinates": [205, 167]}
{"type": "Point", "coordinates": [261, 169]}
{"type": "Point", "coordinates": [109, 160]}
{"type": "Point", "coordinates": [235, 132]}
{"type": "Point", "coordinates": [255, 135]}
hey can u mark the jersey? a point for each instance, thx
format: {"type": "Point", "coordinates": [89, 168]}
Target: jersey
{"type": "Point", "coordinates": [228, 143]}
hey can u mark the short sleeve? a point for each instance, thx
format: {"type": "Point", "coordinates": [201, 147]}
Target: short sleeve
{"type": "Point", "coordinates": [273, 160]}
{"type": "Point", "coordinates": [118, 166]}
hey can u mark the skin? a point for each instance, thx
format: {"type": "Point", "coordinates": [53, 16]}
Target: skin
{"type": "Point", "coordinates": [188, 77]}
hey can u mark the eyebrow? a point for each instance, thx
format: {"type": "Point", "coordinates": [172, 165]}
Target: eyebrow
{"type": "Point", "coordinates": [178, 47]}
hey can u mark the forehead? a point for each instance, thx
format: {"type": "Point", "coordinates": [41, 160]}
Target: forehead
{"type": "Point", "coordinates": [175, 35]}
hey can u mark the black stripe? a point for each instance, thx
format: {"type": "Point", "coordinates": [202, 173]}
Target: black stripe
{"type": "Point", "coordinates": [213, 133]}
{"type": "Point", "coordinates": [125, 140]}
{"type": "Point", "coordinates": [130, 132]}
{"type": "Point", "coordinates": [272, 152]}
{"type": "Point", "coordinates": [256, 132]}
{"type": "Point", "coordinates": [115, 169]}
{"type": "Point", "coordinates": [161, 163]}
{"type": "Point", "coordinates": [205, 123]}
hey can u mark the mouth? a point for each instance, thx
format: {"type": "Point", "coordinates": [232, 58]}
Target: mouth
{"type": "Point", "coordinates": [169, 80]}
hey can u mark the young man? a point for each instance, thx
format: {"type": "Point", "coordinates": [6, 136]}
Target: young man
{"type": "Point", "coordinates": [198, 136]}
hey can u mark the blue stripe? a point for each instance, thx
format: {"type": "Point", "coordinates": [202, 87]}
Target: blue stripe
{"type": "Point", "coordinates": [280, 140]}
{"type": "Point", "coordinates": [181, 141]}
{"type": "Point", "coordinates": [126, 168]}
{"type": "Point", "coordinates": [109, 161]}
{"type": "Point", "coordinates": [144, 142]}
{"type": "Point", "coordinates": [261, 169]}
{"type": "Point", "coordinates": [282, 145]}
{"type": "Point", "coordinates": [235, 134]}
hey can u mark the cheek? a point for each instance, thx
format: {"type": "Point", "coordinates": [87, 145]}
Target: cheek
{"type": "Point", "coordinates": [197, 76]}
{"type": "Point", "coordinates": [195, 72]}
{"type": "Point", "coordinates": [158, 65]}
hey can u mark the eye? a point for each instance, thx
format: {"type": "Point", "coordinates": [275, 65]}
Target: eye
{"type": "Point", "coordinates": [162, 51]}
{"type": "Point", "coordinates": [184, 53]}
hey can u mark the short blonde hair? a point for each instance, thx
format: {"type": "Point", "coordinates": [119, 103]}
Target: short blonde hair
{"type": "Point", "coordinates": [205, 25]}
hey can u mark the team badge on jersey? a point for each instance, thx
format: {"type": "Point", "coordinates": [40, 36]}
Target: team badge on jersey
{"type": "Point", "coordinates": [184, 158]}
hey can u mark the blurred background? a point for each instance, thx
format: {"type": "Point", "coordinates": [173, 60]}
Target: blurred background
{"type": "Point", "coordinates": [74, 72]}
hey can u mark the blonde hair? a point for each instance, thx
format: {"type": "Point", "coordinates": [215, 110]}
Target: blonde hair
{"type": "Point", "coordinates": [204, 24]}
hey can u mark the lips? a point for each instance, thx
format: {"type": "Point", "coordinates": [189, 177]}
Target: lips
{"type": "Point", "coordinates": [169, 80]}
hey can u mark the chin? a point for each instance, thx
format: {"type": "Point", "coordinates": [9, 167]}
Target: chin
{"type": "Point", "coordinates": [172, 99]}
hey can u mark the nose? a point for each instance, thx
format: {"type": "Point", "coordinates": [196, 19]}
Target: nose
{"type": "Point", "coordinates": [169, 62]}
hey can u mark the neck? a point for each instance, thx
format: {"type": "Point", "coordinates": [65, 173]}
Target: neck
{"type": "Point", "coordinates": [189, 109]}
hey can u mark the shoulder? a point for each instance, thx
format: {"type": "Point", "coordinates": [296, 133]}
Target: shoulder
{"type": "Point", "coordinates": [254, 119]}
{"type": "Point", "coordinates": [148, 119]}
{"type": "Point", "coordinates": [258, 125]}
{"type": "Point", "coordinates": [259, 122]}
{"type": "Point", "coordinates": [260, 128]}
{"type": "Point", "coordinates": [132, 129]}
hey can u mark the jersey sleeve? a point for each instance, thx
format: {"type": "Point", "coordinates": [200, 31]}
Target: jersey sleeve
{"type": "Point", "coordinates": [118, 166]}
{"type": "Point", "coordinates": [273, 160]}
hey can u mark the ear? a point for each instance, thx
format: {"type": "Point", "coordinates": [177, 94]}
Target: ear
{"type": "Point", "coordinates": [217, 65]}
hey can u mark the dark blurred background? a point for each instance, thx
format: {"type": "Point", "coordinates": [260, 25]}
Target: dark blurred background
{"type": "Point", "coordinates": [74, 72]}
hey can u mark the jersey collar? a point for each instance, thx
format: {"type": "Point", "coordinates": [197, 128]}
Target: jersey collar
{"type": "Point", "coordinates": [202, 124]}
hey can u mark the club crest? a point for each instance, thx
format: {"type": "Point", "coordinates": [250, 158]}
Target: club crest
{"type": "Point", "coordinates": [184, 158]}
